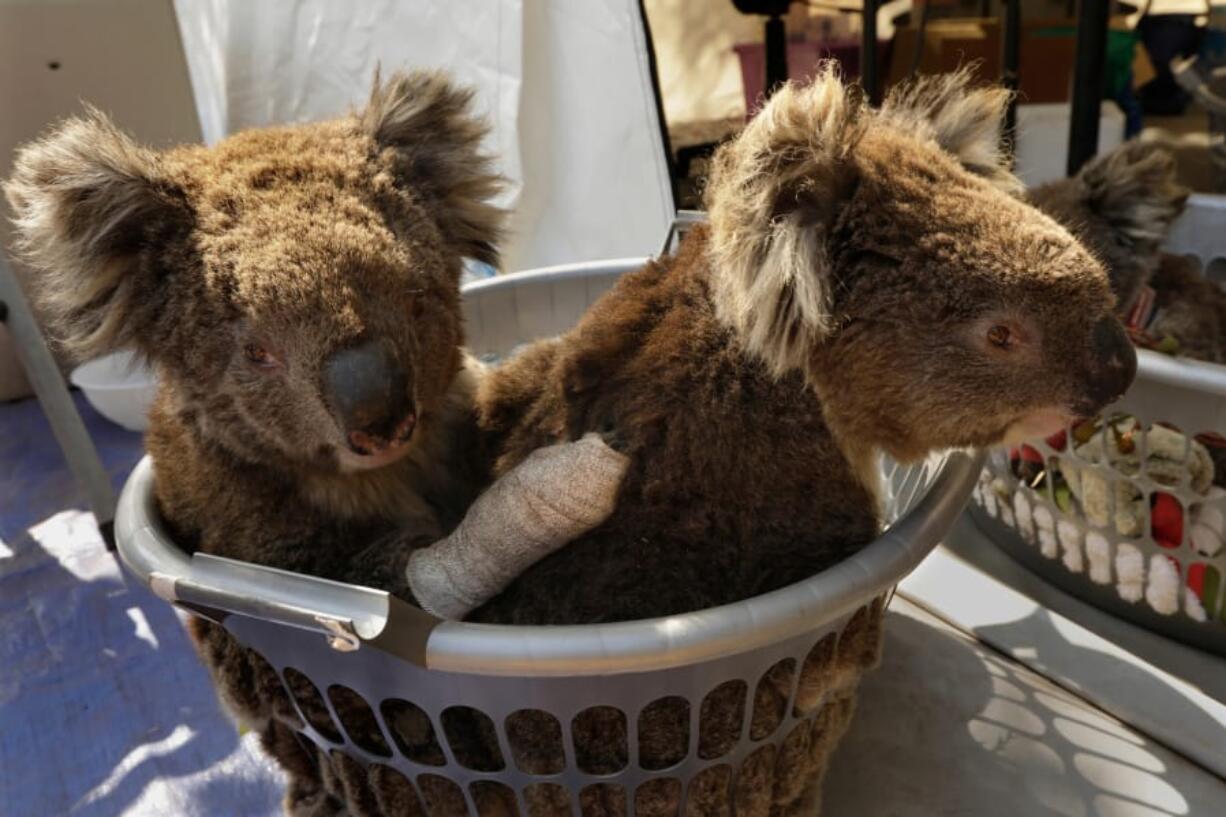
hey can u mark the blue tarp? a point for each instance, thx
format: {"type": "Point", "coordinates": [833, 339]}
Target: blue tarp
{"type": "Point", "coordinates": [104, 708]}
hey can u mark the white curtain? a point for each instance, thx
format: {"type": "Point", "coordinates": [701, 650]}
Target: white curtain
{"type": "Point", "coordinates": [564, 84]}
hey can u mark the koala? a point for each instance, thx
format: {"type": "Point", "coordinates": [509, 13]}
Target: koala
{"type": "Point", "coordinates": [869, 283]}
{"type": "Point", "coordinates": [297, 290]}
{"type": "Point", "coordinates": [1121, 206]}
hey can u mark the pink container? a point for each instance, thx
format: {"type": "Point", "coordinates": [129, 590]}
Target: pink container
{"type": "Point", "coordinates": [803, 57]}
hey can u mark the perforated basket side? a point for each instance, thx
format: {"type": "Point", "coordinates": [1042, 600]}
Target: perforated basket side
{"type": "Point", "coordinates": [673, 733]}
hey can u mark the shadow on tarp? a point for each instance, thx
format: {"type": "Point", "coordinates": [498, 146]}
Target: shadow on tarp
{"type": "Point", "coordinates": [104, 708]}
{"type": "Point", "coordinates": [948, 726]}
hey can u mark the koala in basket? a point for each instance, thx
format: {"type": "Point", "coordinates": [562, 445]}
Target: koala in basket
{"type": "Point", "coordinates": [297, 290]}
{"type": "Point", "coordinates": [1121, 206]}
{"type": "Point", "coordinates": [870, 282]}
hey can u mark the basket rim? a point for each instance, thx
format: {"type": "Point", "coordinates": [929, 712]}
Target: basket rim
{"type": "Point", "coordinates": [1181, 372]}
{"type": "Point", "coordinates": [353, 617]}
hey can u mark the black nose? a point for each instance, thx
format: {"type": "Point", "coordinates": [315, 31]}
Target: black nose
{"type": "Point", "coordinates": [370, 392]}
{"type": "Point", "coordinates": [1113, 364]}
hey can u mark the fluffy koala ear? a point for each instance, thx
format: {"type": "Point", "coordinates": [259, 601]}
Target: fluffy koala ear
{"type": "Point", "coordinates": [428, 122]}
{"type": "Point", "coordinates": [94, 214]}
{"type": "Point", "coordinates": [773, 194]}
{"type": "Point", "coordinates": [966, 122]}
{"type": "Point", "coordinates": [1133, 189]}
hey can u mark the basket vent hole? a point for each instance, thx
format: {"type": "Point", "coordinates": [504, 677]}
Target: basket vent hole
{"type": "Point", "coordinates": [755, 782]}
{"type": "Point", "coordinates": [412, 732]}
{"type": "Point", "coordinates": [358, 720]}
{"type": "Point", "coordinates": [658, 798]}
{"type": "Point", "coordinates": [664, 733]}
{"type": "Point", "coordinates": [547, 800]}
{"type": "Point", "coordinates": [494, 799]}
{"type": "Point", "coordinates": [720, 719]}
{"type": "Point", "coordinates": [828, 727]}
{"type": "Point", "coordinates": [443, 797]}
{"type": "Point", "coordinates": [394, 793]}
{"type": "Point", "coordinates": [710, 793]}
{"type": "Point", "coordinates": [794, 764]}
{"type": "Point", "coordinates": [860, 641]}
{"type": "Point", "coordinates": [602, 800]}
{"type": "Point", "coordinates": [354, 781]}
{"type": "Point", "coordinates": [599, 734]}
{"type": "Point", "coordinates": [270, 686]}
{"type": "Point", "coordinates": [1204, 592]}
{"type": "Point", "coordinates": [816, 674]}
{"type": "Point", "coordinates": [311, 704]}
{"type": "Point", "coordinates": [770, 700]}
{"type": "Point", "coordinates": [535, 737]}
{"type": "Point", "coordinates": [473, 740]}
{"type": "Point", "coordinates": [1215, 446]}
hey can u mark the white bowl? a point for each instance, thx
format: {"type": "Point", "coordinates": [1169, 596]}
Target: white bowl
{"type": "Point", "coordinates": [119, 386]}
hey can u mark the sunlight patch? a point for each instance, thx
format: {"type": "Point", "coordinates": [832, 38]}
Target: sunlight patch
{"type": "Point", "coordinates": [134, 759]}
{"type": "Point", "coordinates": [143, 631]}
{"type": "Point", "coordinates": [71, 537]}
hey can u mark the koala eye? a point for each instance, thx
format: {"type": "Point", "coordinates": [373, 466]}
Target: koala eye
{"type": "Point", "coordinates": [260, 357]}
{"type": "Point", "coordinates": [1000, 336]}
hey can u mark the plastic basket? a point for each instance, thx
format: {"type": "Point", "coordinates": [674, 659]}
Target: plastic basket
{"type": "Point", "coordinates": [812, 640]}
{"type": "Point", "coordinates": [1138, 533]}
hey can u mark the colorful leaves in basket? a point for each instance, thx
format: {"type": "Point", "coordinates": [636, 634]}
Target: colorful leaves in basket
{"type": "Point", "coordinates": [1205, 582]}
{"type": "Point", "coordinates": [1166, 520]}
{"type": "Point", "coordinates": [1030, 468]}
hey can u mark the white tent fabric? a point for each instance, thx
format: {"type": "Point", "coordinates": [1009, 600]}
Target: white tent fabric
{"type": "Point", "coordinates": [564, 85]}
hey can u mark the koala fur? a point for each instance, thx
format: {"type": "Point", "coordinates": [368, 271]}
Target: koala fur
{"type": "Point", "coordinates": [842, 303]}
{"type": "Point", "coordinates": [1121, 206]}
{"type": "Point", "coordinates": [239, 271]}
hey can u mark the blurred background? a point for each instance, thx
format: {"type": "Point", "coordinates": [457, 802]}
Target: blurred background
{"type": "Point", "coordinates": [1000, 693]}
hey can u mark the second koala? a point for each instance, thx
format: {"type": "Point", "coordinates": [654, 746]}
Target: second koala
{"type": "Point", "coordinates": [869, 283]}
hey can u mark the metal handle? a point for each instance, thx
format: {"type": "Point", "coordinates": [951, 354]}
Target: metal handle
{"type": "Point", "coordinates": [346, 615]}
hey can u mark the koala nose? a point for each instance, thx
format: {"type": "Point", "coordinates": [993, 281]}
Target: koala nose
{"type": "Point", "coordinates": [369, 390]}
{"type": "Point", "coordinates": [1113, 364]}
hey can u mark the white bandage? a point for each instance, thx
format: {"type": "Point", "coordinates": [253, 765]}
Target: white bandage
{"type": "Point", "coordinates": [554, 496]}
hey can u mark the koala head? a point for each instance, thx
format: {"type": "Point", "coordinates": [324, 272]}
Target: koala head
{"type": "Point", "coordinates": [296, 287]}
{"type": "Point", "coordinates": [1121, 206]}
{"type": "Point", "coordinates": [886, 255]}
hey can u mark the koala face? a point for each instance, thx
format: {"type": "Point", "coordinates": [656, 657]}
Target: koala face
{"type": "Point", "coordinates": [296, 287]}
{"type": "Point", "coordinates": [886, 255]}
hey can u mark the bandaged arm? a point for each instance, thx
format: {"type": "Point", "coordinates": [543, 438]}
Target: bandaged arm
{"type": "Point", "coordinates": [554, 496]}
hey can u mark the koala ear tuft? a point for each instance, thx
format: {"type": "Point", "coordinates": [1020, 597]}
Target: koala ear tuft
{"type": "Point", "coordinates": [1133, 189]}
{"type": "Point", "coordinates": [93, 214]}
{"type": "Point", "coordinates": [773, 194]}
{"type": "Point", "coordinates": [429, 124]}
{"type": "Point", "coordinates": [964, 121]}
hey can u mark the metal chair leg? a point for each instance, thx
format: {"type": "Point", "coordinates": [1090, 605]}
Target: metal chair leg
{"type": "Point", "coordinates": [57, 404]}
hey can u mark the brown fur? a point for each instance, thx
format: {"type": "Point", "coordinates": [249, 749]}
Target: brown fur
{"type": "Point", "coordinates": [1190, 308]}
{"type": "Point", "coordinates": [835, 308]}
{"type": "Point", "coordinates": [304, 240]}
{"type": "Point", "coordinates": [916, 254]}
{"type": "Point", "coordinates": [1121, 206]}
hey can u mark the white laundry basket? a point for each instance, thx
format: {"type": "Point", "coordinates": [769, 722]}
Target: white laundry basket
{"type": "Point", "coordinates": [1130, 519]}
{"type": "Point", "coordinates": [820, 634]}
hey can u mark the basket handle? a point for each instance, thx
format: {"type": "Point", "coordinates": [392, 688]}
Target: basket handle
{"type": "Point", "coordinates": [348, 616]}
